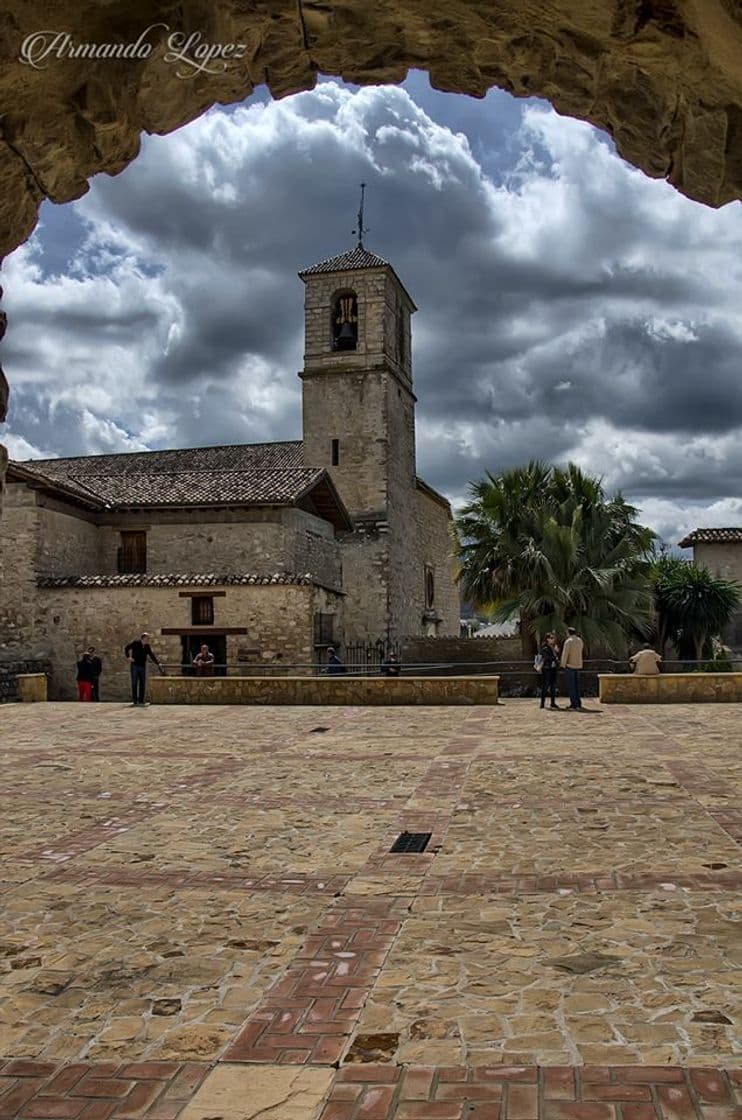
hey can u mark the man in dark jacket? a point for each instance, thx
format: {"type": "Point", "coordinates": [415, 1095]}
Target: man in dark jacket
{"type": "Point", "coordinates": [137, 653]}
{"type": "Point", "coordinates": [96, 668]}
{"type": "Point", "coordinates": [391, 667]}
{"type": "Point", "coordinates": [334, 664]}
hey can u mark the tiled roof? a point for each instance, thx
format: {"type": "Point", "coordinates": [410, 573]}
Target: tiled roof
{"type": "Point", "coordinates": [347, 262]}
{"type": "Point", "coordinates": [713, 536]}
{"type": "Point", "coordinates": [143, 488]}
{"type": "Point", "coordinates": [251, 474]}
{"type": "Point", "coordinates": [231, 457]}
{"type": "Point", "coordinates": [208, 579]}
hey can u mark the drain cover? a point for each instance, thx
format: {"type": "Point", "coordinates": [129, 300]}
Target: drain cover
{"type": "Point", "coordinates": [411, 842]}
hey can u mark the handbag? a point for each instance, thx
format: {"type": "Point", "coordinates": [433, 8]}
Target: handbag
{"type": "Point", "coordinates": [538, 662]}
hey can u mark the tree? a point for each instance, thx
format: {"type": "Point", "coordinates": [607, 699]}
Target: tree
{"type": "Point", "coordinates": [692, 605]}
{"type": "Point", "coordinates": [547, 545]}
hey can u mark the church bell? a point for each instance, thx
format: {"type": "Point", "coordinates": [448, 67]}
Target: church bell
{"type": "Point", "coordinates": [346, 339]}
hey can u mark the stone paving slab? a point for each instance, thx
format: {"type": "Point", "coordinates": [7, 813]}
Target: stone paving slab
{"type": "Point", "coordinates": [200, 914]}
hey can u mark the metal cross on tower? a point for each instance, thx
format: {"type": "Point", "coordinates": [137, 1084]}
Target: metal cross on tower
{"type": "Point", "coordinates": [361, 228]}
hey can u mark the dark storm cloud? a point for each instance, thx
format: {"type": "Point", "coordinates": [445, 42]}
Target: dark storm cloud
{"type": "Point", "coordinates": [569, 307]}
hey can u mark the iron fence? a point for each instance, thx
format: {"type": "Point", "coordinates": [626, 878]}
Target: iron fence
{"type": "Point", "coordinates": [517, 678]}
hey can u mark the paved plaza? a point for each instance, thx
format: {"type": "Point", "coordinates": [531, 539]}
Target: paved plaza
{"type": "Point", "coordinates": [202, 918]}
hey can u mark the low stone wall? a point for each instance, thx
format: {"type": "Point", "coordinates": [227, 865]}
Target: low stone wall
{"type": "Point", "coordinates": [31, 688]}
{"type": "Point", "coordinates": [670, 688]}
{"type": "Point", "coordinates": [338, 689]}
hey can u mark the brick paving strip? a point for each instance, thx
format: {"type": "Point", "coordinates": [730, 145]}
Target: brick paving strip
{"type": "Point", "coordinates": [31, 1090]}
{"type": "Point", "coordinates": [309, 1014]}
{"type": "Point", "coordinates": [388, 1092]}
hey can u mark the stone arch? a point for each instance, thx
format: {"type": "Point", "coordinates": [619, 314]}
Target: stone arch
{"type": "Point", "coordinates": [661, 76]}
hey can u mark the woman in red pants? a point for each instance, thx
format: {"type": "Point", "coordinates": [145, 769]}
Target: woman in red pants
{"type": "Point", "coordinates": [85, 678]}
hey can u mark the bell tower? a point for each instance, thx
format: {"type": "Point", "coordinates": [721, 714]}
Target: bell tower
{"type": "Point", "coordinates": [358, 410]}
{"type": "Point", "coordinates": [358, 403]}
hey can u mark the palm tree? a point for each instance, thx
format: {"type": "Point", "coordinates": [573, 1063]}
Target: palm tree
{"type": "Point", "coordinates": [545, 544]}
{"type": "Point", "coordinates": [693, 605]}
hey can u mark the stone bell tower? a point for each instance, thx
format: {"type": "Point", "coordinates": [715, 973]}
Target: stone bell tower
{"type": "Point", "coordinates": [359, 423]}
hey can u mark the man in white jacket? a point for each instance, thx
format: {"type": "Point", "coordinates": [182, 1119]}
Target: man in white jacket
{"type": "Point", "coordinates": [572, 663]}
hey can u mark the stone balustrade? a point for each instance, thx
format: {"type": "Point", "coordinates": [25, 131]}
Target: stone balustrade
{"type": "Point", "coordinates": [670, 688]}
{"type": "Point", "coordinates": [340, 689]}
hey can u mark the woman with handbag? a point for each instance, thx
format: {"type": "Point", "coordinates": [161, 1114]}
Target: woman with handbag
{"type": "Point", "coordinates": [548, 659]}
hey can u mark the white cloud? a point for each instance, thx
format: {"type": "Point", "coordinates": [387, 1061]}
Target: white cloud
{"type": "Point", "coordinates": [569, 307]}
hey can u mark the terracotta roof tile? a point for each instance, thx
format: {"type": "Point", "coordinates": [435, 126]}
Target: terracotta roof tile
{"type": "Point", "coordinates": [712, 536]}
{"type": "Point", "coordinates": [347, 262]}
{"type": "Point", "coordinates": [202, 579]}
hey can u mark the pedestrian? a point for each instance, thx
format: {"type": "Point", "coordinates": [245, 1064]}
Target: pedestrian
{"type": "Point", "coordinates": [334, 664]}
{"type": "Point", "coordinates": [391, 666]}
{"type": "Point", "coordinates": [549, 654]}
{"type": "Point", "coordinates": [203, 662]}
{"type": "Point", "coordinates": [137, 653]}
{"type": "Point", "coordinates": [84, 678]}
{"type": "Point", "coordinates": [96, 666]}
{"type": "Point", "coordinates": [646, 662]}
{"type": "Point", "coordinates": [572, 662]}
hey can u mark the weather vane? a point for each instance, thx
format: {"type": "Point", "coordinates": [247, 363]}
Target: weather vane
{"type": "Point", "coordinates": [361, 228]}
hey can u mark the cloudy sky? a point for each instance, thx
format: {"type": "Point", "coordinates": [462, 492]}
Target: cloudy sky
{"type": "Point", "coordinates": [569, 307]}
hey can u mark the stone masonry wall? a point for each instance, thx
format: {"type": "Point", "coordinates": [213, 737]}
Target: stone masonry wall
{"type": "Point", "coordinates": [436, 550]}
{"type": "Point", "coordinates": [18, 544]}
{"type": "Point", "coordinates": [278, 619]}
{"type": "Point", "coordinates": [724, 560]}
{"type": "Point", "coordinates": [68, 540]}
{"type": "Point", "coordinates": [260, 541]}
{"type": "Point", "coordinates": [460, 651]}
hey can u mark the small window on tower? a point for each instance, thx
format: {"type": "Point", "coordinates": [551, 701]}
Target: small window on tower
{"type": "Point", "coordinates": [335, 453]}
{"type": "Point", "coordinates": [345, 322]}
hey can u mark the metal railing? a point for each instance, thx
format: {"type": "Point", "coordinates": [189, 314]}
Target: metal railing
{"type": "Point", "coordinates": [517, 678]}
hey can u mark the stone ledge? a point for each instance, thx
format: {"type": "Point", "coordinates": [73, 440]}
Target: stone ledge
{"type": "Point", "coordinates": [340, 689]}
{"type": "Point", "coordinates": [670, 688]}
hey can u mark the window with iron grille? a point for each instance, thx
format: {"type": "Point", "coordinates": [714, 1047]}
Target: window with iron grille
{"type": "Point", "coordinates": [324, 629]}
{"type": "Point", "coordinates": [132, 553]}
{"type": "Point", "coordinates": [202, 610]}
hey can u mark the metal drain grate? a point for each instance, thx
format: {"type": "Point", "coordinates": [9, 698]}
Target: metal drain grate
{"type": "Point", "coordinates": [411, 842]}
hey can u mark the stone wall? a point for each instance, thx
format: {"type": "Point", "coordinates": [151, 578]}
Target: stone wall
{"type": "Point", "coordinates": [278, 620]}
{"type": "Point", "coordinates": [724, 560]}
{"type": "Point", "coordinates": [344, 690]}
{"type": "Point", "coordinates": [19, 534]}
{"type": "Point", "coordinates": [68, 542]}
{"type": "Point", "coordinates": [259, 541]}
{"type": "Point", "coordinates": [671, 688]}
{"type": "Point", "coordinates": [460, 651]}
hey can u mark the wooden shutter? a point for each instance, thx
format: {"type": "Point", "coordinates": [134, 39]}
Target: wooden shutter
{"type": "Point", "coordinates": [133, 552]}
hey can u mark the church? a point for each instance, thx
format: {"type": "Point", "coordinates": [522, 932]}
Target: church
{"type": "Point", "coordinates": [271, 552]}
